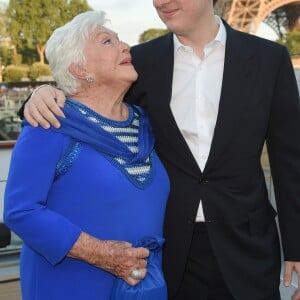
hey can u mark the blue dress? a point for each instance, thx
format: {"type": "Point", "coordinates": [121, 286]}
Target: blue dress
{"type": "Point", "coordinates": [81, 178]}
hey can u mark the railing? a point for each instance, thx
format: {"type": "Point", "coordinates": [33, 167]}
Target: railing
{"type": "Point", "coordinates": [5, 154]}
{"type": "Point", "coordinates": [12, 96]}
{"type": "Point", "coordinates": [9, 144]}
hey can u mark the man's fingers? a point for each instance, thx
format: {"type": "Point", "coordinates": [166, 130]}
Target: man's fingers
{"type": "Point", "coordinates": [44, 116]}
{"type": "Point", "coordinates": [29, 118]}
{"type": "Point", "coordinates": [60, 98]}
{"type": "Point", "coordinates": [287, 278]}
{"type": "Point", "coordinates": [33, 116]}
{"type": "Point", "coordinates": [44, 113]}
{"type": "Point", "coordinates": [54, 107]}
{"type": "Point", "coordinates": [43, 107]}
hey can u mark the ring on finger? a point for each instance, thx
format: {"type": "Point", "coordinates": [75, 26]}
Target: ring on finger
{"type": "Point", "coordinates": [136, 274]}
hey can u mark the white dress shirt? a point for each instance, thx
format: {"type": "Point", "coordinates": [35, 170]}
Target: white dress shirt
{"type": "Point", "coordinates": [196, 94]}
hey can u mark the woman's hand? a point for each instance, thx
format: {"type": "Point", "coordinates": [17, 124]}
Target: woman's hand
{"type": "Point", "coordinates": [117, 257]}
{"type": "Point", "coordinates": [43, 105]}
{"type": "Point", "coordinates": [120, 259]}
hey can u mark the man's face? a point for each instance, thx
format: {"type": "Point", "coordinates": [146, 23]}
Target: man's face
{"type": "Point", "coordinates": [183, 16]}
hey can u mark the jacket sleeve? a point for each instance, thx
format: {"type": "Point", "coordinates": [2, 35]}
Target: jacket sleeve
{"type": "Point", "coordinates": [30, 178]}
{"type": "Point", "coordinates": [283, 142]}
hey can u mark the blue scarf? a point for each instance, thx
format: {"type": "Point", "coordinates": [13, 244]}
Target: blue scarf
{"type": "Point", "coordinates": [79, 127]}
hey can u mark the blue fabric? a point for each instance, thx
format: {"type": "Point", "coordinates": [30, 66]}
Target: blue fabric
{"type": "Point", "coordinates": [82, 129]}
{"type": "Point", "coordinates": [83, 124]}
{"type": "Point", "coordinates": [93, 196]}
{"type": "Point", "coordinates": [153, 286]}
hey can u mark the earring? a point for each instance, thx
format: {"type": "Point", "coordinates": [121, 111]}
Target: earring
{"type": "Point", "coordinates": [89, 79]}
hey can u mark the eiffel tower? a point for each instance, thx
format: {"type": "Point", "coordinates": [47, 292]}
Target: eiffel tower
{"type": "Point", "coordinates": [247, 15]}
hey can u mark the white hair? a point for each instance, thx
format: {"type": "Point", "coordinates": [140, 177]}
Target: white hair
{"type": "Point", "coordinates": [65, 47]}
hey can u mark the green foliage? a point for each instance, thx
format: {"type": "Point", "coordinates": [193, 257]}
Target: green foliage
{"type": "Point", "coordinates": [37, 69]}
{"type": "Point", "coordinates": [3, 21]}
{"type": "Point", "coordinates": [16, 57]}
{"type": "Point", "coordinates": [292, 41]}
{"type": "Point", "coordinates": [9, 56]}
{"type": "Point", "coordinates": [75, 7]}
{"type": "Point", "coordinates": [6, 55]}
{"type": "Point", "coordinates": [29, 55]}
{"type": "Point", "coordinates": [15, 73]}
{"type": "Point", "coordinates": [151, 34]}
{"type": "Point", "coordinates": [31, 22]}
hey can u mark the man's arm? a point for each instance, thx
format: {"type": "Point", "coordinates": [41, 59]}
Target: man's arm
{"type": "Point", "coordinates": [284, 154]}
{"type": "Point", "coordinates": [42, 107]}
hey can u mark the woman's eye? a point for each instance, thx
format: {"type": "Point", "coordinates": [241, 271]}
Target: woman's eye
{"type": "Point", "coordinates": [107, 41]}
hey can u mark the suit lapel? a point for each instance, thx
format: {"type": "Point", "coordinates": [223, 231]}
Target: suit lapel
{"type": "Point", "coordinates": [238, 68]}
{"type": "Point", "coordinates": [160, 96]}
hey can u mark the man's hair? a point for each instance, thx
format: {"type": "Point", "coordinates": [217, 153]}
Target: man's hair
{"type": "Point", "coordinates": [215, 1]}
{"type": "Point", "coordinates": [65, 47]}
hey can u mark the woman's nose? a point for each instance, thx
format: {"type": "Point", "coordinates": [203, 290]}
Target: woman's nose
{"type": "Point", "coordinates": [124, 46]}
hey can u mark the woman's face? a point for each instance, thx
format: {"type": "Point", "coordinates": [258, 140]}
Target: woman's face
{"type": "Point", "coordinates": [108, 59]}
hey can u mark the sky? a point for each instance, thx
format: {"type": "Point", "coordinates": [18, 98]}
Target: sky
{"type": "Point", "coordinates": [130, 18]}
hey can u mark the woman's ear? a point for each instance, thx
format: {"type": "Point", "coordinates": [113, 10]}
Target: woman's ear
{"type": "Point", "coordinates": [78, 71]}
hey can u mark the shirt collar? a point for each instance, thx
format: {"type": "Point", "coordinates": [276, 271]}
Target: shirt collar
{"type": "Point", "coordinates": [220, 37]}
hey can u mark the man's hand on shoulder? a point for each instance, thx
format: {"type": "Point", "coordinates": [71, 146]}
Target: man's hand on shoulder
{"type": "Point", "coordinates": [43, 107]}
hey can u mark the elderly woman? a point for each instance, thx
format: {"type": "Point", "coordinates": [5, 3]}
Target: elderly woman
{"type": "Point", "coordinates": [81, 195]}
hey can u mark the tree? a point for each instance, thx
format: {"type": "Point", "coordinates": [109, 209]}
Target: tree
{"type": "Point", "coordinates": [38, 70]}
{"type": "Point", "coordinates": [76, 7]}
{"type": "Point", "coordinates": [285, 19]}
{"type": "Point", "coordinates": [6, 54]}
{"type": "Point", "coordinates": [31, 22]}
{"type": "Point", "coordinates": [292, 41]}
{"type": "Point", "coordinates": [151, 34]}
{"type": "Point", "coordinates": [3, 21]}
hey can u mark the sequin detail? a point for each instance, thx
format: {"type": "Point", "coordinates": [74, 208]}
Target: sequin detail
{"type": "Point", "coordinates": [66, 162]}
{"type": "Point", "coordinates": [126, 132]}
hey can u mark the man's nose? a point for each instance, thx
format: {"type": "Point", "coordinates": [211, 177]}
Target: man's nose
{"type": "Point", "coordinates": [160, 2]}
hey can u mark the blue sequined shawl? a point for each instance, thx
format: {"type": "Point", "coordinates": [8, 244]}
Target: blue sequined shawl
{"type": "Point", "coordinates": [82, 129]}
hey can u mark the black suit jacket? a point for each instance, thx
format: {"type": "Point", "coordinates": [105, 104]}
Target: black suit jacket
{"type": "Point", "coordinates": [259, 102]}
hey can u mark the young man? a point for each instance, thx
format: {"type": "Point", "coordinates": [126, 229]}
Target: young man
{"type": "Point", "coordinates": [214, 96]}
